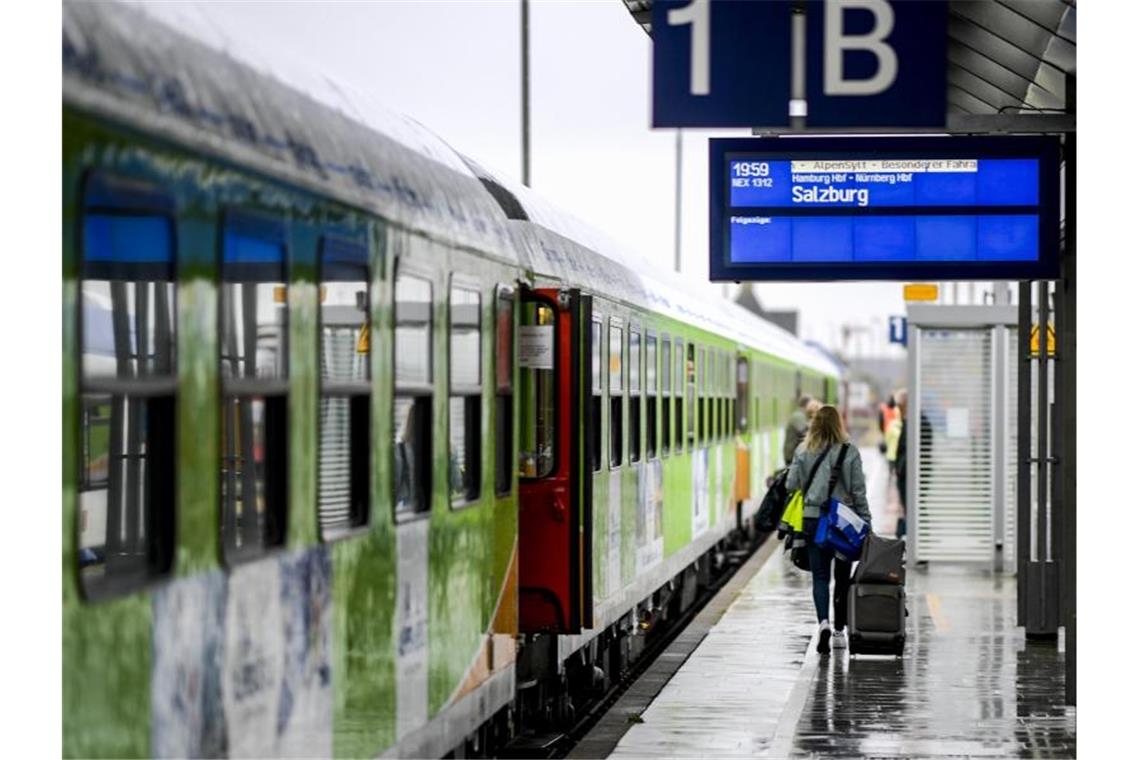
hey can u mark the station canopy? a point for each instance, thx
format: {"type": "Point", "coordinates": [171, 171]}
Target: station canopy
{"type": "Point", "coordinates": [1006, 63]}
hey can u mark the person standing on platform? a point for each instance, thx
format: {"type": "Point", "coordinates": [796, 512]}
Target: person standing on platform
{"type": "Point", "coordinates": [824, 444]}
{"type": "Point", "coordinates": [901, 459]}
{"type": "Point", "coordinates": [796, 428]}
{"type": "Point", "coordinates": [891, 433]}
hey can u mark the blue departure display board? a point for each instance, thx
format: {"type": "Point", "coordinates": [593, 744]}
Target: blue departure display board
{"type": "Point", "coordinates": [951, 208]}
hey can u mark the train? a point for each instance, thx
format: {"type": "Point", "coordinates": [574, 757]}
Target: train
{"type": "Point", "coordinates": [366, 450]}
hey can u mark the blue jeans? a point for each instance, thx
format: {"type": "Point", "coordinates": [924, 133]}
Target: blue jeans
{"type": "Point", "coordinates": [821, 560]}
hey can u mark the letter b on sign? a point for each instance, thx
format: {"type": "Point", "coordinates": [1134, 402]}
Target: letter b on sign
{"type": "Point", "coordinates": [875, 62]}
{"type": "Point", "coordinates": [837, 41]}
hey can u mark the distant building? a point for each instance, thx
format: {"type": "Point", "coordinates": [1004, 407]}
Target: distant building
{"type": "Point", "coordinates": [789, 320]}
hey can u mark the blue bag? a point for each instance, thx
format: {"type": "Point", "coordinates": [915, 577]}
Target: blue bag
{"type": "Point", "coordinates": [840, 529]}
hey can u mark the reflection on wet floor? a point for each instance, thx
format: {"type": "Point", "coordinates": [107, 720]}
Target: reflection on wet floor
{"type": "Point", "coordinates": [969, 684]}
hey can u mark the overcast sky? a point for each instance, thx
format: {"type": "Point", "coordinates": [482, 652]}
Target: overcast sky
{"type": "Point", "coordinates": [455, 67]}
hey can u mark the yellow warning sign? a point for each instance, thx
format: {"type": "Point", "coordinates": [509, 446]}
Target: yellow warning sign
{"type": "Point", "coordinates": [1035, 340]}
{"type": "Point", "coordinates": [920, 292]}
{"type": "Point", "coordinates": [362, 339]}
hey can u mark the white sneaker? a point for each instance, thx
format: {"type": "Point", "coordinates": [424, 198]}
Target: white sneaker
{"type": "Point", "coordinates": [839, 640]}
{"type": "Point", "coordinates": [824, 645]}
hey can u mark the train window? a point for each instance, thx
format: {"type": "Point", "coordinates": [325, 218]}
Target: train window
{"type": "Point", "coordinates": [634, 395]}
{"type": "Point", "coordinates": [679, 389]}
{"type": "Point", "coordinates": [504, 388]}
{"type": "Point", "coordinates": [702, 417]}
{"type": "Point", "coordinates": [412, 402]}
{"type": "Point", "coordinates": [345, 446]}
{"type": "Point", "coordinates": [690, 395]}
{"type": "Point", "coordinates": [650, 395]}
{"type": "Point", "coordinates": [596, 395]}
{"type": "Point", "coordinates": [727, 390]}
{"type": "Point", "coordinates": [616, 396]}
{"type": "Point", "coordinates": [666, 391]}
{"type": "Point", "coordinates": [740, 410]}
{"type": "Point", "coordinates": [127, 385]}
{"type": "Point", "coordinates": [254, 370]}
{"type": "Point", "coordinates": [464, 460]}
{"type": "Point", "coordinates": [537, 426]}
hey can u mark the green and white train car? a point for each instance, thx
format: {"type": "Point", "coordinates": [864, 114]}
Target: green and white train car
{"type": "Point", "coordinates": [365, 451]}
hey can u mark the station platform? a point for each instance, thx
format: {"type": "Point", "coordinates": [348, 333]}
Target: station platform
{"type": "Point", "coordinates": [746, 681]}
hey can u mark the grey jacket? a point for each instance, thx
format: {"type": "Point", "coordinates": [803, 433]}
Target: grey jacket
{"type": "Point", "coordinates": [851, 488]}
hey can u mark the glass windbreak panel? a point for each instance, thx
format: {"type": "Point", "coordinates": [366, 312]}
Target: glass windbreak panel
{"type": "Point", "coordinates": [634, 362]}
{"type": "Point", "coordinates": [345, 323]}
{"type": "Point", "coordinates": [615, 359]}
{"type": "Point", "coordinates": [464, 337]}
{"type": "Point", "coordinates": [127, 296]}
{"type": "Point", "coordinates": [254, 303]}
{"type": "Point", "coordinates": [253, 473]}
{"type": "Point", "coordinates": [463, 464]}
{"type": "Point", "coordinates": [537, 426]}
{"type": "Point", "coordinates": [413, 330]}
{"type": "Point", "coordinates": [411, 452]}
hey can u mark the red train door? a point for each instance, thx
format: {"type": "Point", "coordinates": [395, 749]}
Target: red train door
{"type": "Point", "coordinates": [555, 590]}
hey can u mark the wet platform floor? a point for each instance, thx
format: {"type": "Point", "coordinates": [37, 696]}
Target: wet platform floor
{"type": "Point", "coordinates": [968, 685]}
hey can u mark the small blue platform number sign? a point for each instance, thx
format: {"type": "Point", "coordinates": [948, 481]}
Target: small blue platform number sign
{"type": "Point", "coordinates": [898, 330]}
{"type": "Point", "coordinates": [728, 63]}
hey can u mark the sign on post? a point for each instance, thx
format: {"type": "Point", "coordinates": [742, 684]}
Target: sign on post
{"type": "Point", "coordinates": [925, 208]}
{"type": "Point", "coordinates": [898, 330]}
{"type": "Point", "coordinates": [867, 63]}
{"type": "Point", "coordinates": [876, 63]}
{"type": "Point", "coordinates": [920, 291]}
{"type": "Point", "coordinates": [723, 63]}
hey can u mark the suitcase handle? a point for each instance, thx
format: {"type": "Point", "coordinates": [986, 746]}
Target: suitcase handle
{"type": "Point", "coordinates": [878, 590]}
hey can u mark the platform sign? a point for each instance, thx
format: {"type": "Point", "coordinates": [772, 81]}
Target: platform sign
{"type": "Point", "coordinates": [724, 63]}
{"type": "Point", "coordinates": [917, 208]}
{"type": "Point", "coordinates": [1035, 341]}
{"type": "Point", "coordinates": [920, 291]}
{"type": "Point", "coordinates": [871, 63]}
{"type": "Point", "coordinates": [867, 63]}
{"type": "Point", "coordinates": [897, 330]}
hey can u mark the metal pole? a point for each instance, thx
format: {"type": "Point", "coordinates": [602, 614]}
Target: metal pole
{"type": "Point", "coordinates": [677, 208]}
{"type": "Point", "coordinates": [1067, 369]}
{"type": "Point", "coordinates": [1042, 420]}
{"type": "Point", "coordinates": [797, 109]}
{"type": "Point", "coordinates": [1024, 416]}
{"type": "Point", "coordinates": [1000, 359]}
{"type": "Point", "coordinates": [526, 92]}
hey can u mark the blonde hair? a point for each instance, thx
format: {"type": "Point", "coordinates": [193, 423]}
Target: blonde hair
{"type": "Point", "coordinates": [826, 429]}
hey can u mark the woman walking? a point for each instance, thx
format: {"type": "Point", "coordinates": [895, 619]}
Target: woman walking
{"type": "Point", "coordinates": [825, 444]}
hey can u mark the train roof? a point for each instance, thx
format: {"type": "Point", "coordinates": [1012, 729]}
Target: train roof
{"type": "Point", "coordinates": [561, 245]}
{"type": "Point", "coordinates": [122, 63]}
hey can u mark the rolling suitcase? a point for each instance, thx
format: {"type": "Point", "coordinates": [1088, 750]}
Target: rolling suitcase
{"type": "Point", "coordinates": [876, 618]}
{"type": "Point", "coordinates": [883, 560]}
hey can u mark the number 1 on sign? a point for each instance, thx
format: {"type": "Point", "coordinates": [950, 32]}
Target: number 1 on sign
{"type": "Point", "coordinates": [697, 14]}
